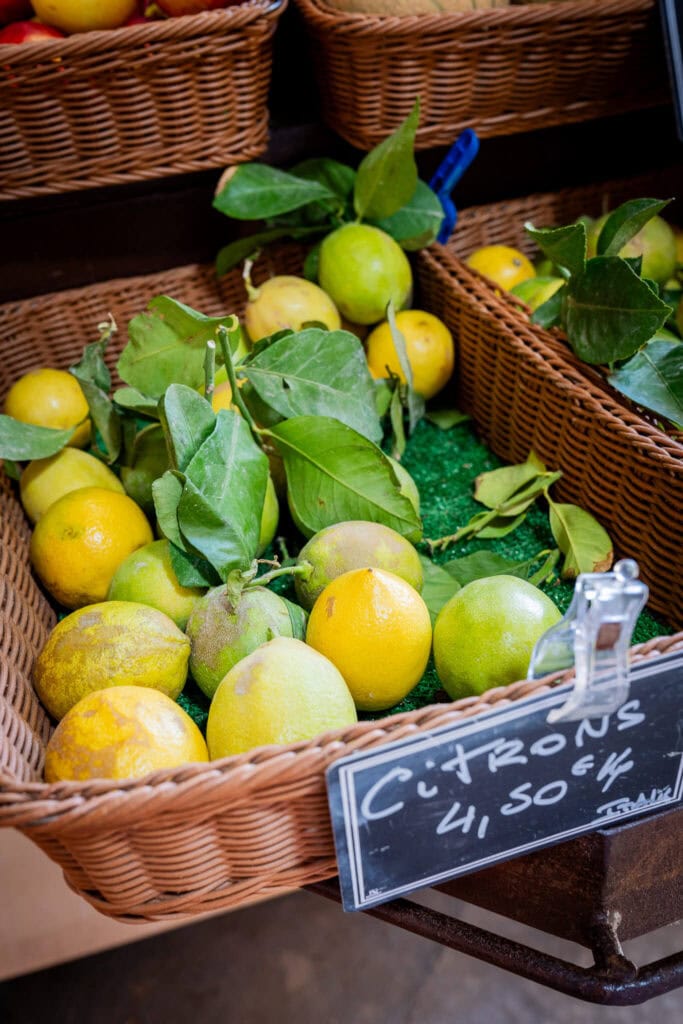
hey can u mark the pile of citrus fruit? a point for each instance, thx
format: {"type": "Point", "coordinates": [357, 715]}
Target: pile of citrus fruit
{"type": "Point", "coordinates": [358, 639]}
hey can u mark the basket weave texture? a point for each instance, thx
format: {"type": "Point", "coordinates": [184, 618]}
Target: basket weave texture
{"type": "Point", "coordinates": [538, 395]}
{"type": "Point", "coordinates": [200, 837]}
{"type": "Point", "coordinates": [137, 103]}
{"type": "Point", "coordinates": [499, 71]}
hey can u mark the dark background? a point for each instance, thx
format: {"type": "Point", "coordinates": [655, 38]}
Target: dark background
{"type": "Point", "coordinates": [62, 241]}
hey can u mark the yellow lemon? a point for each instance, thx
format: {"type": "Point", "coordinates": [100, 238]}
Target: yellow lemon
{"type": "Point", "coordinates": [45, 480]}
{"type": "Point", "coordinates": [82, 539]}
{"type": "Point", "coordinates": [376, 629]}
{"type": "Point", "coordinates": [429, 347]}
{"type": "Point", "coordinates": [84, 15]}
{"type": "Point", "coordinates": [506, 266]}
{"type": "Point", "coordinates": [113, 643]}
{"type": "Point", "coordinates": [122, 733]}
{"type": "Point", "coordinates": [283, 692]}
{"type": "Point", "coordinates": [50, 398]}
{"type": "Point", "coordinates": [288, 302]}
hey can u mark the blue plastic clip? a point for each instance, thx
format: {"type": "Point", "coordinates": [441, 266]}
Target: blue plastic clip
{"type": "Point", "coordinates": [448, 174]}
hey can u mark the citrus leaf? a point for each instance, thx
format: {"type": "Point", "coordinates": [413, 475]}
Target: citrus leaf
{"type": "Point", "coordinates": [438, 587]}
{"type": "Point", "coordinates": [444, 419]}
{"type": "Point", "coordinates": [549, 313]}
{"type": "Point", "coordinates": [298, 618]}
{"type": "Point", "coordinates": [219, 512]}
{"type": "Point", "coordinates": [235, 252]}
{"type": "Point", "coordinates": [498, 485]}
{"type": "Point", "coordinates": [104, 417]}
{"type": "Point", "coordinates": [499, 527]}
{"type": "Point", "coordinates": [338, 178]}
{"type": "Point", "coordinates": [22, 442]}
{"type": "Point", "coordinates": [414, 403]}
{"type": "Point", "coordinates": [398, 443]}
{"type": "Point", "coordinates": [192, 571]}
{"type": "Point", "coordinates": [564, 246]}
{"type": "Point", "coordinates": [135, 401]}
{"type": "Point", "coordinates": [585, 544]}
{"type": "Point", "coordinates": [12, 469]}
{"type": "Point", "coordinates": [417, 223]}
{"type": "Point", "coordinates": [653, 378]}
{"type": "Point", "coordinates": [387, 177]}
{"type": "Point", "coordinates": [92, 366]}
{"type": "Point", "coordinates": [147, 462]}
{"type": "Point", "coordinates": [609, 313]}
{"type": "Point", "coordinates": [625, 222]}
{"type": "Point", "coordinates": [257, 192]}
{"type": "Point", "coordinates": [167, 345]}
{"type": "Point", "coordinates": [335, 474]}
{"type": "Point", "coordinates": [480, 564]}
{"type": "Point", "coordinates": [187, 419]}
{"type": "Point", "coordinates": [320, 373]}
{"type": "Point", "coordinates": [166, 492]}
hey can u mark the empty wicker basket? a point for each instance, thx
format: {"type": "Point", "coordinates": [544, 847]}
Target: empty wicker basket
{"type": "Point", "coordinates": [140, 102]}
{"type": "Point", "coordinates": [502, 70]}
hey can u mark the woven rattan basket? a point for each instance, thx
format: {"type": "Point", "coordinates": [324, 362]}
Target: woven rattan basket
{"type": "Point", "coordinates": [202, 837]}
{"type": "Point", "coordinates": [539, 396]}
{"type": "Point", "coordinates": [141, 102]}
{"type": "Point", "coordinates": [499, 71]}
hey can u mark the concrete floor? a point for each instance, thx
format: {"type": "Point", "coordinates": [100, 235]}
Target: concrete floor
{"type": "Point", "coordinates": [301, 959]}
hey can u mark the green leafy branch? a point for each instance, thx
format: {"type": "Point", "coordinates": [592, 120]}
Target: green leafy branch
{"type": "Point", "coordinates": [316, 196]}
{"type": "Point", "coordinates": [611, 315]}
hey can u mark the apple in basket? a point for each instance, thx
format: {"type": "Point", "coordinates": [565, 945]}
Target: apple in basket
{"type": "Point", "coordinates": [14, 10]}
{"type": "Point", "coordinates": [28, 32]}
{"type": "Point", "coordinates": [175, 8]}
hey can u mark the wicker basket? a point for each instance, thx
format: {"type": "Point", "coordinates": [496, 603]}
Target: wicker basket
{"type": "Point", "coordinates": [500, 71]}
{"type": "Point", "coordinates": [539, 395]}
{"type": "Point", "coordinates": [202, 837]}
{"type": "Point", "coordinates": [108, 107]}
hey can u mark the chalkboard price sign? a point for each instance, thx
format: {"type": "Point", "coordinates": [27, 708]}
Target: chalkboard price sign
{"type": "Point", "coordinates": [445, 803]}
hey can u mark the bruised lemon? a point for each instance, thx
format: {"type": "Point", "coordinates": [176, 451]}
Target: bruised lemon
{"type": "Point", "coordinates": [122, 733]}
{"type": "Point", "coordinates": [45, 480]}
{"type": "Point", "coordinates": [283, 692]}
{"type": "Point", "coordinates": [114, 643]}
{"type": "Point", "coordinates": [50, 398]}
{"type": "Point", "coordinates": [355, 544]}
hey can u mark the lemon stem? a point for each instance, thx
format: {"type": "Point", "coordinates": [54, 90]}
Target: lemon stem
{"type": "Point", "coordinates": [210, 370]}
{"type": "Point", "coordinates": [304, 569]}
{"type": "Point", "coordinates": [224, 339]}
{"type": "Point", "coordinates": [252, 292]}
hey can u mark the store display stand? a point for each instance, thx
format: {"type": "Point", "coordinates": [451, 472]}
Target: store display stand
{"type": "Point", "coordinates": [597, 891]}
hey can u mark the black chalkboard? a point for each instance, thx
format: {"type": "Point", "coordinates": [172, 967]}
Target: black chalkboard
{"type": "Point", "coordinates": [672, 25]}
{"type": "Point", "coordinates": [441, 804]}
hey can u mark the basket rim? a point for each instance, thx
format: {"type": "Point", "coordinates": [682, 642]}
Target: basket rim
{"type": "Point", "coordinates": [81, 805]}
{"type": "Point", "coordinates": [188, 26]}
{"type": "Point", "coordinates": [515, 16]}
{"type": "Point", "coordinates": [554, 347]}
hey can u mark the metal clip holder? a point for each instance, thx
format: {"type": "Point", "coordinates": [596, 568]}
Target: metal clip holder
{"type": "Point", "coordinates": [594, 635]}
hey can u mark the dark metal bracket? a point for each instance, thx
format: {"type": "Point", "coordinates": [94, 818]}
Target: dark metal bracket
{"type": "Point", "coordinates": [613, 980]}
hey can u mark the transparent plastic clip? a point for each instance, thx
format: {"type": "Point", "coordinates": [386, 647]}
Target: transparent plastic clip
{"type": "Point", "coordinates": [594, 636]}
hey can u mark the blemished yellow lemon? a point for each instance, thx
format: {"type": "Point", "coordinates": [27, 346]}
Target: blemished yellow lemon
{"type": "Point", "coordinates": [429, 347]}
{"type": "Point", "coordinates": [502, 264]}
{"type": "Point", "coordinates": [50, 398]}
{"type": "Point", "coordinates": [44, 481]}
{"type": "Point", "coordinates": [283, 692]}
{"type": "Point", "coordinates": [354, 544]}
{"type": "Point", "coordinates": [485, 634]}
{"type": "Point", "coordinates": [122, 733]}
{"type": "Point", "coordinates": [82, 539]}
{"type": "Point", "coordinates": [113, 643]}
{"type": "Point", "coordinates": [376, 629]}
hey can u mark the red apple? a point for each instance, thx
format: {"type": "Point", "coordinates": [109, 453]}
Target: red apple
{"type": "Point", "coordinates": [177, 7]}
{"type": "Point", "coordinates": [14, 10]}
{"type": "Point", "coordinates": [28, 32]}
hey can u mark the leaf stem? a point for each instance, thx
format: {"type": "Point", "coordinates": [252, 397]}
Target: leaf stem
{"type": "Point", "coordinates": [468, 530]}
{"type": "Point", "coordinates": [210, 370]}
{"type": "Point", "coordinates": [252, 293]}
{"type": "Point", "coordinates": [223, 337]}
